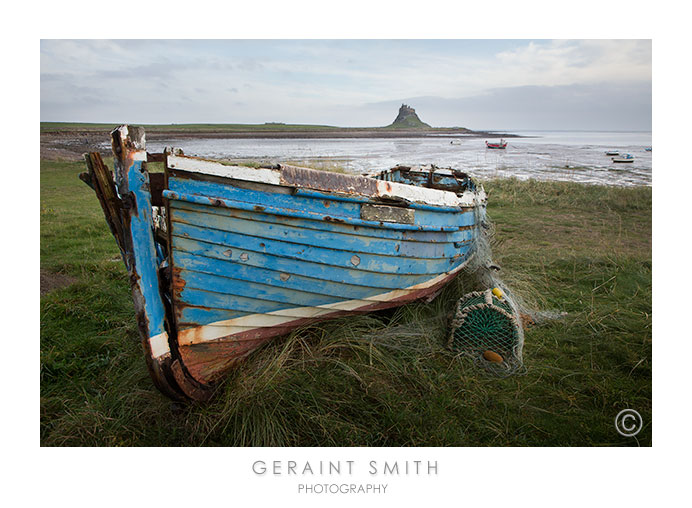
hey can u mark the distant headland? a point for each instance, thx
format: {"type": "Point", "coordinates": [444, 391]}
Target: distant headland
{"type": "Point", "coordinates": [81, 137]}
{"type": "Point", "coordinates": [408, 119]}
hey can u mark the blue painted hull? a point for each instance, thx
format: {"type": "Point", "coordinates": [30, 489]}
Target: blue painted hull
{"type": "Point", "coordinates": [252, 264]}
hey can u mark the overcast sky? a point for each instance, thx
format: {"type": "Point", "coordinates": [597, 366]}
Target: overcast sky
{"type": "Point", "coordinates": [479, 84]}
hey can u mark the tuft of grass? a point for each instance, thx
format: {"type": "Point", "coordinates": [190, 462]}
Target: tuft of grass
{"type": "Point", "coordinates": [383, 379]}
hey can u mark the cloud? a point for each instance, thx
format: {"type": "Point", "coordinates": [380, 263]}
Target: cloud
{"type": "Point", "coordinates": [339, 82]}
{"type": "Point", "coordinates": [573, 62]}
{"type": "Point", "coordinates": [602, 106]}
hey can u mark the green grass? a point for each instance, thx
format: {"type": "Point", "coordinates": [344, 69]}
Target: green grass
{"type": "Point", "coordinates": [230, 128]}
{"type": "Point", "coordinates": [383, 379]}
{"type": "Point", "coordinates": [409, 122]}
{"type": "Point", "coordinates": [196, 127]}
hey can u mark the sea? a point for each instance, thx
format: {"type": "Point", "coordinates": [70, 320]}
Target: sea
{"type": "Point", "coordinates": [577, 156]}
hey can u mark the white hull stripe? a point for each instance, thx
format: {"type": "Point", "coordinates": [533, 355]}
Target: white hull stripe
{"type": "Point", "coordinates": [159, 345]}
{"type": "Point", "coordinates": [207, 167]}
{"type": "Point", "coordinates": [220, 329]}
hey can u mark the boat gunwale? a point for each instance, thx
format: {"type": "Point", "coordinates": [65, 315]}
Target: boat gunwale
{"type": "Point", "coordinates": [336, 184]}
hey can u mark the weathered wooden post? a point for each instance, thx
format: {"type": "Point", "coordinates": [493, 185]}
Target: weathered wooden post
{"type": "Point", "coordinates": [132, 181]}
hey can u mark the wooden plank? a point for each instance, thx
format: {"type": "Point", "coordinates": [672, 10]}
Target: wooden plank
{"type": "Point", "coordinates": [275, 322]}
{"type": "Point", "coordinates": [337, 228]}
{"type": "Point", "coordinates": [243, 247]}
{"type": "Point", "coordinates": [102, 182]}
{"type": "Point", "coordinates": [327, 239]}
{"type": "Point", "coordinates": [346, 282]}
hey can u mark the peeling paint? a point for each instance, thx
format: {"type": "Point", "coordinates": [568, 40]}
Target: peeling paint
{"type": "Point", "coordinates": [387, 214]}
{"type": "Point", "coordinates": [159, 345]}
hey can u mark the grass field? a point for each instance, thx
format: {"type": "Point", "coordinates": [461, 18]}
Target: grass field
{"type": "Point", "coordinates": [377, 380]}
{"type": "Point", "coordinates": [68, 127]}
{"type": "Point", "coordinates": [196, 127]}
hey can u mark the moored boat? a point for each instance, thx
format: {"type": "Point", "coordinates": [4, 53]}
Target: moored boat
{"type": "Point", "coordinates": [624, 158]}
{"type": "Point", "coordinates": [612, 152]}
{"type": "Point", "coordinates": [498, 146]}
{"type": "Point", "coordinates": [223, 258]}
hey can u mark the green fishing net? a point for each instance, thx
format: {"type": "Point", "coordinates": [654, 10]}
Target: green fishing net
{"type": "Point", "coordinates": [486, 327]}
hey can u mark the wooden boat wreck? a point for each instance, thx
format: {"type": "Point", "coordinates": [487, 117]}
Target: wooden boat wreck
{"type": "Point", "coordinates": [223, 258]}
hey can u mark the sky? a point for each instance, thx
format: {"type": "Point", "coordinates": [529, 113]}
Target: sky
{"type": "Point", "coordinates": [478, 84]}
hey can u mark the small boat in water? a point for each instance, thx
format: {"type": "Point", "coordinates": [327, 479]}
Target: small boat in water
{"type": "Point", "coordinates": [624, 158]}
{"type": "Point", "coordinates": [647, 149]}
{"type": "Point", "coordinates": [612, 152]}
{"type": "Point", "coordinates": [222, 258]}
{"type": "Point", "coordinates": [497, 146]}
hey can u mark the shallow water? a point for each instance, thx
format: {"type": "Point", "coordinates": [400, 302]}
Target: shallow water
{"type": "Point", "coordinates": [554, 155]}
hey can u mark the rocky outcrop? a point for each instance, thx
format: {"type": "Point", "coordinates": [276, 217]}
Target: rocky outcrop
{"type": "Point", "coordinates": [408, 119]}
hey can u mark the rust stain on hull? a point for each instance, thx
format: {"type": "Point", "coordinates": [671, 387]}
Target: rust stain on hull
{"type": "Point", "coordinates": [328, 181]}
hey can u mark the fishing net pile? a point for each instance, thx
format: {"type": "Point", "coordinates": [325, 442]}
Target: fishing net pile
{"type": "Point", "coordinates": [487, 324]}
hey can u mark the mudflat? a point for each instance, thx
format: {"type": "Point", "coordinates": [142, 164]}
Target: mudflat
{"type": "Point", "coordinates": [68, 141]}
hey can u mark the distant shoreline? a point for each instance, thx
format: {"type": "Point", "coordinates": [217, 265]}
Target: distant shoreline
{"type": "Point", "coordinates": [71, 140]}
{"type": "Point", "coordinates": [290, 130]}
{"type": "Point", "coordinates": [269, 130]}
{"type": "Point", "coordinates": [332, 134]}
